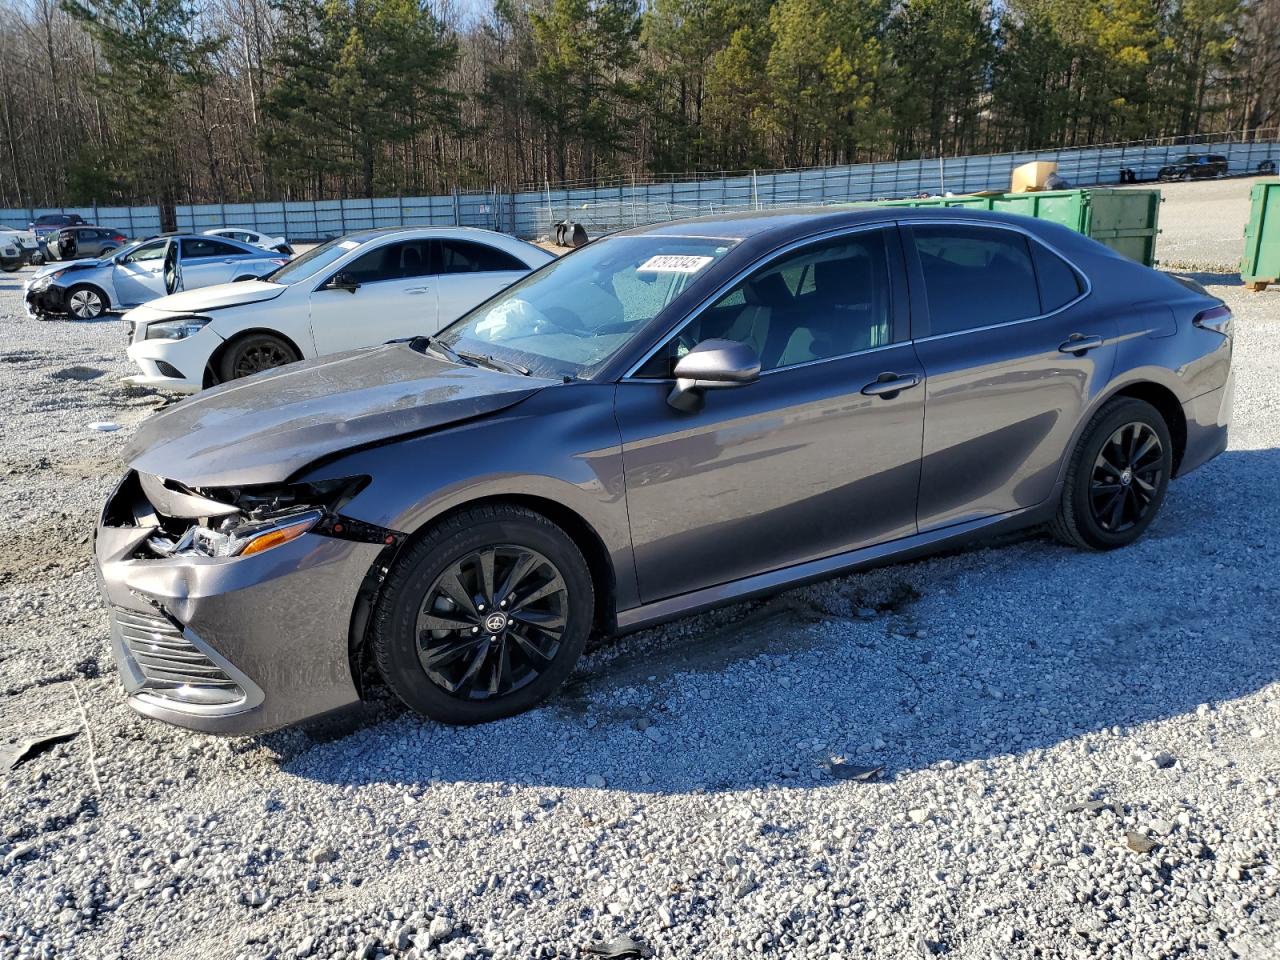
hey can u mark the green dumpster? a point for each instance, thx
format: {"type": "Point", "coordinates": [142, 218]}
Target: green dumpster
{"type": "Point", "coordinates": [1261, 262]}
{"type": "Point", "coordinates": [1125, 220]}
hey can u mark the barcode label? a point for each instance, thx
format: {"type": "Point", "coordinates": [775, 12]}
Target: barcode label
{"type": "Point", "coordinates": [673, 263]}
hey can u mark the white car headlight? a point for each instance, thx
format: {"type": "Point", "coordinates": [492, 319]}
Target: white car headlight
{"type": "Point", "coordinates": [178, 329]}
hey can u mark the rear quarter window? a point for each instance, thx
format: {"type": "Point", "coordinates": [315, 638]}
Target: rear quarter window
{"type": "Point", "coordinates": [1059, 282]}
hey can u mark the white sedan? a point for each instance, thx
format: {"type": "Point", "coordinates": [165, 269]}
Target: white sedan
{"type": "Point", "coordinates": [355, 291]}
{"type": "Point", "coordinates": [253, 237]}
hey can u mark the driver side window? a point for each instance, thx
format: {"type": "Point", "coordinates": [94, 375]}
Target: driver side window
{"type": "Point", "coordinates": [826, 300]}
{"type": "Point", "coordinates": [148, 251]}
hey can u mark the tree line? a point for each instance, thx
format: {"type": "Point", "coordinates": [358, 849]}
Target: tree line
{"type": "Point", "coordinates": [145, 101]}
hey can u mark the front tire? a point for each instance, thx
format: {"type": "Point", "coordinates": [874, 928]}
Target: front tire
{"type": "Point", "coordinates": [85, 302]}
{"type": "Point", "coordinates": [484, 617]}
{"type": "Point", "coordinates": [1118, 476]}
{"type": "Point", "coordinates": [254, 354]}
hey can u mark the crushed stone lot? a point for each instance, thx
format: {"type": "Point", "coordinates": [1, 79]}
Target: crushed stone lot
{"type": "Point", "coordinates": [1080, 752]}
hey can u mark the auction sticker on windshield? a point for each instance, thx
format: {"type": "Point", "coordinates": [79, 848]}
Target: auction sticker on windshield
{"type": "Point", "coordinates": [673, 263]}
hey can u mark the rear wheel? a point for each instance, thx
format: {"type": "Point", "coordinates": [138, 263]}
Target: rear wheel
{"type": "Point", "coordinates": [85, 302]}
{"type": "Point", "coordinates": [1117, 478]}
{"type": "Point", "coordinates": [254, 354]}
{"type": "Point", "coordinates": [484, 617]}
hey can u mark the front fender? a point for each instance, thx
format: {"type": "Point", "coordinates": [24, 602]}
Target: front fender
{"type": "Point", "coordinates": [561, 446]}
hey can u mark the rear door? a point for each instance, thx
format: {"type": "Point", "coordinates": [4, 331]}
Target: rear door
{"type": "Point", "coordinates": [394, 297]}
{"type": "Point", "coordinates": [469, 272]}
{"type": "Point", "coordinates": [1013, 351]}
{"type": "Point", "coordinates": [209, 260]}
{"type": "Point", "coordinates": [817, 457]}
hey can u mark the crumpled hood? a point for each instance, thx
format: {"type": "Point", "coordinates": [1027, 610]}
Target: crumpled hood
{"type": "Point", "coordinates": [69, 265]}
{"type": "Point", "coordinates": [218, 296]}
{"type": "Point", "coordinates": [265, 428]}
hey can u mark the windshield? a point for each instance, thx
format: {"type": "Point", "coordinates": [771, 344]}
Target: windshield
{"type": "Point", "coordinates": [572, 315]}
{"type": "Point", "coordinates": [313, 261]}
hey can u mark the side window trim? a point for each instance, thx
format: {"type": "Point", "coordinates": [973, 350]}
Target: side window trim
{"type": "Point", "coordinates": [919, 301]}
{"type": "Point", "coordinates": [897, 298]}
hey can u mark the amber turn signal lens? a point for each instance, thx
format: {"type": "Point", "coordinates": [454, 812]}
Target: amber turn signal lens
{"type": "Point", "coordinates": [274, 538]}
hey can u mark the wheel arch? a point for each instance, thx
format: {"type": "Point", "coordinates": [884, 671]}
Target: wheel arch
{"type": "Point", "coordinates": [215, 359]}
{"type": "Point", "coordinates": [96, 287]}
{"type": "Point", "coordinates": [1140, 387]}
{"type": "Point", "coordinates": [1169, 407]}
{"type": "Point", "coordinates": [577, 527]}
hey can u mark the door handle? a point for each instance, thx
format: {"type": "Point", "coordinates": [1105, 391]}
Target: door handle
{"type": "Point", "coordinates": [418, 290]}
{"type": "Point", "coordinates": [889, 385]}
{"type": "Point", "coordinates": [1079, 344]}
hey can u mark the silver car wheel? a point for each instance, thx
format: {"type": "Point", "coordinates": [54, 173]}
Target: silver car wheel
{"type": "Point", "coordinates": [85, 304]}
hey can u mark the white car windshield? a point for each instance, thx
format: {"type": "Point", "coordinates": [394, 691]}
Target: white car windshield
{"type": "Point", "coordinates": [572, 315]}
{"type": "Point", "coordinates": [313, 261]}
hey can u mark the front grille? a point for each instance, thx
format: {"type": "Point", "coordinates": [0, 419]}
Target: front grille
{"type": "Point", "coordinates": [171, 665]}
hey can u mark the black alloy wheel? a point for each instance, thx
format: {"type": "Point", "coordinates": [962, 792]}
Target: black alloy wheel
{"type": "Point", "coordinates": [483, 615]}
{"type": "Point", "coordinates": [1126, 475]}
{"type": "Point", "coordinates": [492, 622]}
{"type": "Point", "coordinates": [254, 354]}
{"type": "Point", "coordinates": [1117, 477]}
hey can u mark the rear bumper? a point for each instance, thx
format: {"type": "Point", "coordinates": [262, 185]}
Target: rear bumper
{"type": "Point", "coordinates": [236, 645]}
{"type": "Point", "coordinates": [1208, 419]}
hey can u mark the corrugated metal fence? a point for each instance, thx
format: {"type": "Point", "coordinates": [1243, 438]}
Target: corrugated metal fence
{"type": "Point", "coordinates": [603, 207]}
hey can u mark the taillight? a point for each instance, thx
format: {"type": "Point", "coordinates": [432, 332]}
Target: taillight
{"type": "Point", "coordinates": [118, 238]}
{"type": "Point", "coordinates": [1217, 319]}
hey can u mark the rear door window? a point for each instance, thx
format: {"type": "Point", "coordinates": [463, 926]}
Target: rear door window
{"type": "Point", "coordinates": [195, 248]}
{"type": "Point", "coordinates": [464, 256]}
{"type": "Point", "coordinates": [975, 276]}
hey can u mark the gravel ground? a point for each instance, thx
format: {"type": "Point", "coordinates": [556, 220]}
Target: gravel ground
{"type": "Point", "coordinates": [692, 788]}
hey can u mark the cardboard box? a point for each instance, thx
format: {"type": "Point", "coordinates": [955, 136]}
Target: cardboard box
{"type": "Point", "coordinates": [1030, 177]}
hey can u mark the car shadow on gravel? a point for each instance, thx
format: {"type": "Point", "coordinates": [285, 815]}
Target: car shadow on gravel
{"type": "Point", "coordinates": [985, 652]}
{"type": "Point", "coordinates": [1212, 278]}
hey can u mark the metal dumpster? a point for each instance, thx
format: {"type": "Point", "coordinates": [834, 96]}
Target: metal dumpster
{"type": "Point", "coordinates": [1260, 264]}
{"type": "Point", "coordinates": [1125, 220]}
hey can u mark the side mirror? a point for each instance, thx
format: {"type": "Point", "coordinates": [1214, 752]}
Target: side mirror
{"type": "Point", "coordinates": [342, 281]}
{"type": "Point", "coordinates": [712, 365]}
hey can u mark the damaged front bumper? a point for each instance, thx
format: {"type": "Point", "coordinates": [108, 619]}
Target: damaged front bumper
{"type": "Point", "coordinates": [44, 301]}
{"type": "Point", "coordinates": [228, 644]}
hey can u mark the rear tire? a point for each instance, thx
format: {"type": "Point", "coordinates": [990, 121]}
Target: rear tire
{"type": "Point", "coordinates": [253, 354]}
{"type": "Point", "coordinates": [1118, 476]}
{"type": "Point", "coordinates": [525, 605]}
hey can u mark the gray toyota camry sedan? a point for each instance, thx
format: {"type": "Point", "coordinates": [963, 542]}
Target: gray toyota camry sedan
{"type": "Point", "coordinates": [664, 420]}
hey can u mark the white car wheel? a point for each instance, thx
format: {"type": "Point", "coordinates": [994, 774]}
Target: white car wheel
{"type": "Point", "coordinates": [85, 303]}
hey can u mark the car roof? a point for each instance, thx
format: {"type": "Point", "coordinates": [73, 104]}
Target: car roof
{"type": "Point", "coordinates": [460, 233]}
{"type": "Point", "coordinates": [794, 222]}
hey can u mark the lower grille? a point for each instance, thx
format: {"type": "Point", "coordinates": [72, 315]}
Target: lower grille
{"type": "Point", "coordinates": [170, 664]}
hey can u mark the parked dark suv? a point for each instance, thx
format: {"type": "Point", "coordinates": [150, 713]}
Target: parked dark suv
{"type": "Point", "coordinates": [1195, 166]}
{"type": "Point", "coordinates": [76, 243]}
{"type": "Point", "coordinates": [47, 224]}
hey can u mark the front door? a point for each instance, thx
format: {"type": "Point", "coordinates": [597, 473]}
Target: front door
{"type": "Point", "coordinates": [813, 459]}
{"type": "Point", "coordinates": [395, 298]}
{"type": "Point", "coordinates": [139, 275]}
{"type": "Point", "coordinates": [1012, 351]}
